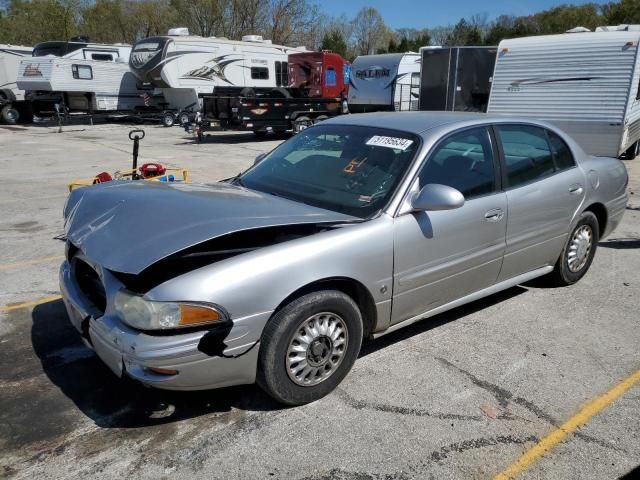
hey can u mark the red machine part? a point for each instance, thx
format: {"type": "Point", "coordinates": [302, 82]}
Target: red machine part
{"type": "Point", "coordinates": [101, 178]}
{"type": "Point", "coordinates": [322, 74]}
{"type": "Point", "coordinates": [150, 170]}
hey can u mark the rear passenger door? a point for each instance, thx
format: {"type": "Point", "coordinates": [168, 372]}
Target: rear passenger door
{"type": "Point", "coordinates": [544, 190]}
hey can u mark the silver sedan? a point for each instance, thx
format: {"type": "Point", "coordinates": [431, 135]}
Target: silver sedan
{"type": "Point", "coordinates": [353, 228]}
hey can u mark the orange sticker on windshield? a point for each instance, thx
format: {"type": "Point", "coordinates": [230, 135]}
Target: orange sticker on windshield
{"type": "Point", "coordinates": [353, 165]}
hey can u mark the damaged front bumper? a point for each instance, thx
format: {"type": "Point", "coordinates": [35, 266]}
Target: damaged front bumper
{"type": "Point", "coordinates": [129, 352]}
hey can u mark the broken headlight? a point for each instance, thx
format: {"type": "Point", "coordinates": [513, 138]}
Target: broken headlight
{"type": "Point", "coordinates": [137, 312]}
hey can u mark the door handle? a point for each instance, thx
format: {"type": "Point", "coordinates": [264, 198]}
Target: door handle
{"type": "Point", "coordinates": [494, 215]}
{"type": "Point", "coordinates": [576, 190]}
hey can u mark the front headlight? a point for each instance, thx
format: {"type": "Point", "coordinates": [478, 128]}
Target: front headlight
{"type": "Point", "coordinates": [143, 314]}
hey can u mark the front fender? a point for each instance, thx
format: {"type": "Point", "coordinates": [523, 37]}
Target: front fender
{"type": "Point", "coordinates": [257, 282]}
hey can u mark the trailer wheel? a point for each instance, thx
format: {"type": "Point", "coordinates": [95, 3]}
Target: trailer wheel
{"type": "Point", "coordinates": [183, 118]}
{"type": "Point", "coordinates": [10, 115]}
{"type": "Point", "coordinates": [168, 119]}
{"type": "Point", "coordinates": [320, 118]}
{"type": "Point", "coordinates": [301, 123]}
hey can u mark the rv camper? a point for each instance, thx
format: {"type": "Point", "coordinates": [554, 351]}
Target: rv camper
{"type": "Point", "coordinates": [185, 66]}
{"type": "Point", "coordinates": [456, 79]}
{"type": "Point", "coordinates": [386, 82]}
{"type": "Point", "coordinates": [79, 77]}
{"type": "Point", "coordinates": [12, 105]}
{"type": "Point", "coordinates": [585, 83]}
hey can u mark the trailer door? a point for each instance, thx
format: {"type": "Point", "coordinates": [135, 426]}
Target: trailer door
{"type": "Point", "coordinates": [473, 79]}
{"type": "Point", "coordinates": [434, 82]}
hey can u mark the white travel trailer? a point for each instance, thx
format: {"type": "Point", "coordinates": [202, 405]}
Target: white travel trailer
{"type": "Point", "coordinates": [184, 66]}
{"type": "Point", "coordinates": [385, 82]}
{"type": "Point", "coordinates": [12, 106]}
{"type": "Point", "coordinates": [80, 76]}
{"type": "Point", "coordinates": [586, 83]}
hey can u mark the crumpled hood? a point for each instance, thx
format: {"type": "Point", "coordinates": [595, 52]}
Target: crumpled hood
{"type": "Point", "coordinates": [128, 226]}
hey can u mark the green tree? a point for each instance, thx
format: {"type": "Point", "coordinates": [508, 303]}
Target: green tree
{"type": "Point", "coordinates": [28, 22]}
{"type": "Point", "coordinates": [566, 17]}
{"type": "Point", "coordinates": [334, 41]}
{"type": "Point", "coordinates": [622, 12]}
{"type": "Point", "coordinates": [464, 34]}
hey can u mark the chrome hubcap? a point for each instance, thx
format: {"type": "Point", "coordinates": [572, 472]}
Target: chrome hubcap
{"type": "Point", "coordinates": [316, 349]}
{"type": "Point", "coordinates": [579, 248]}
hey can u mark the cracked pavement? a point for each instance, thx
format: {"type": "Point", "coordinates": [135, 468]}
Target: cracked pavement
{"type": "Point", "coordinates": [460, 395]}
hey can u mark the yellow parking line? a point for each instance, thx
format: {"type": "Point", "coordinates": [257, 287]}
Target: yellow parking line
{"type": "Point", "coordinates": [33, 303]}
{"type": "Point", "coordinates": [33, 261]}
{"type": "Point", "coordinates": [590, 409]}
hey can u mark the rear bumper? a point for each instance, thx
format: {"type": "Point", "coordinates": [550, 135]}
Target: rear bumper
{"type": "Point", "coordinates": [615, 212]}
{"type": "Point", "coordinates": [129, 352]}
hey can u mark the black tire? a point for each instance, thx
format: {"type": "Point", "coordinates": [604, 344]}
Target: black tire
{"type": "Point", "coordinates": [301, 123]}
{"type": "Point", "coordinates": [320, 118]}
{"type": "Point", "coordinates": [279, 333]}
{"type": "Point", "coordinates": [183, 118]}
{"type": "Point", "coordinates": [563, 274]}
{"type": "Point", "coordinates": [10, 115]}
{"type": "Point", "coordinates": [168, 119]}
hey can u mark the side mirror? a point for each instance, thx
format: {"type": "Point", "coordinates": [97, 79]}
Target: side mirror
{"type": "Point", "coordinates": [260, 157]}
{"type": "Point", "coordinates": [435, 196]}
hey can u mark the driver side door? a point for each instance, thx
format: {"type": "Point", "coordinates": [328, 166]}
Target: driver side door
{"type": "Point", "coordinates": [440, 256]}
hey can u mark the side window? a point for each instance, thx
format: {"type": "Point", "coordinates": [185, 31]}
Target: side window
{"type": "Point", "coordinates": [82, 72]}
{"type": "Point", "coordinates": [330, 77]}
{"type": "Point", "coordinates": [463, 161]}
{"type": "Point", "coordinates": [104, 57]}
{"type": "Point", "coordinates": [285, 74]}
{"type": "Point", "coordinates": [278, 74]}
{"type": "Point", "coordinates": [259, 73]}
{"type": "Point", "coordinates": [561, 152]}
{"type": "Point", "coordinates": [527, 155]}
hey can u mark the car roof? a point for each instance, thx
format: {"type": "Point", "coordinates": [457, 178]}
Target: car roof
{"type": "Point", "coordinates": [421, 122]}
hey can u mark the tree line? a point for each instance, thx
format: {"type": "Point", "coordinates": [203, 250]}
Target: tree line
{"type": "Point", "coordinates": [289, 22]}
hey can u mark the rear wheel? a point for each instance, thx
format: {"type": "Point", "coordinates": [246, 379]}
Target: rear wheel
{"type": "Point", "coordinates": [9, 114]}
{"type": "Point", "coordinates": [320, 119]}
{"type": "Point", "coordinates": [168, 119]}
{"type": "Point", "coordinates": [309, 346]}
{"type": "Point", "coordinates": [577, 254]}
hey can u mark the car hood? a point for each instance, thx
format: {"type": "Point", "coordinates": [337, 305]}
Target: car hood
{"type": "Point", "coordinates": [128, 226]}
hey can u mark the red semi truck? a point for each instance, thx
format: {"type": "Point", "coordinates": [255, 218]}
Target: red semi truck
{"type": "Point", "coordinates": [318, 84]}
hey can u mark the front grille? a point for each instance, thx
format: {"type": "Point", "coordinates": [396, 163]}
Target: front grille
{"type": "Point", "coordinates": [90, 284]}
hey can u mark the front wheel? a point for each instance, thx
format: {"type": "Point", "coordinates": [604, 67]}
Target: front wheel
{"type": "Point", "coordinates": [577, 254]}
{"type": "Point", "coordinates": [309, 346]}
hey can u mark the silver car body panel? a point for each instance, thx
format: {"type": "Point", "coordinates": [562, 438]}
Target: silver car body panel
{"type": "Point", "coordinates": [128, 226]}
{"type": "Point", "coordinates": [411, 265]}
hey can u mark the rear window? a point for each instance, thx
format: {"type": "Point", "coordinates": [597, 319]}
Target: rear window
{"type": "Point", "coordinates": [527, 154]}
{"type": "Point", "coordinates": [561, 152]}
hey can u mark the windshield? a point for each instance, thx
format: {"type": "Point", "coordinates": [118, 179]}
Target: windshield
{"type": "Point", "coordinates": [347, 169]}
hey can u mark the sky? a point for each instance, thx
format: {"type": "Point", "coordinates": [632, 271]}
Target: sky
{"type": "Point", "coordinates": [432, 13]}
